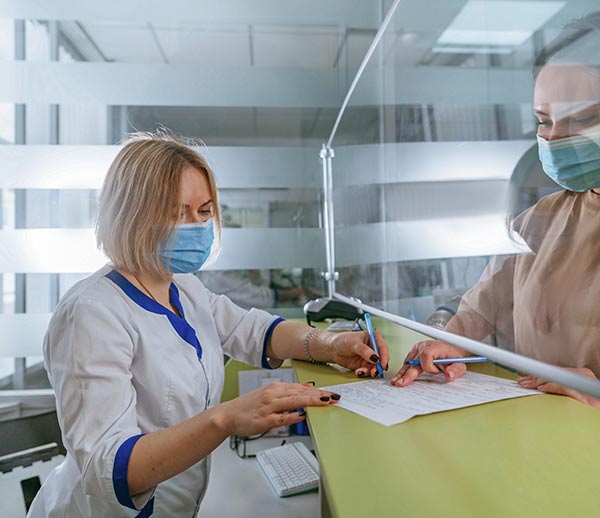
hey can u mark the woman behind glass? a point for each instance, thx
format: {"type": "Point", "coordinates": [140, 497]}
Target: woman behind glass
{"type": "Point", "coordinates": [544, 304]}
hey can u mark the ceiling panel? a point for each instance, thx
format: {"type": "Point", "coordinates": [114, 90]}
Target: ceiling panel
{"type": "Point", "coordinates": [124, 42]}
{"type": "Point", "coordinates": [295, 46]}
{"type": "Point", "coordinates": [354, 48]}
{"type": "Point", "coordinates": [226, 46]}
{"type": "Point", "coordinates": [352, 13]}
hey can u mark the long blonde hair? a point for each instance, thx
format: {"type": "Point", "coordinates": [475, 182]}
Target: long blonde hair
{"type": "Point", "coordinates": [140, 198]}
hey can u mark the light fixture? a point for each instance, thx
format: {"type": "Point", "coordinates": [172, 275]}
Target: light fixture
{"type": "Point", "coordinates": [495, 26]}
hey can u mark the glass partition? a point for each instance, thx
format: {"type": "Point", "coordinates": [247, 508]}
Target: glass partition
{"type": "Point", "coordinates": [443, 213]}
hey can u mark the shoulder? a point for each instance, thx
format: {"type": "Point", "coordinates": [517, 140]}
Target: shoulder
{"type": "Point", "coordinates": [552, 203]}
{"type": "Point", "coordinates": [190, 284]}
{"type": "Point", "coordinates": [93, 323]}
{"type": "Point", "coordinates": [536, 220]}
{"type": "Point", "coordinates": [192, 290]}
{"type": "Point", "coordinates": [96, 294]}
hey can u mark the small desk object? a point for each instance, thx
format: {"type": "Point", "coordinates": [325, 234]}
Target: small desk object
{"type": "Point", "coordinates": [530, 456]}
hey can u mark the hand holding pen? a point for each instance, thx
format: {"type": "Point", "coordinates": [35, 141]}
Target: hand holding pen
{"type": "Point", "coordinates": [354, 351]}
{"type": "Point", "coordinates": [379, 353]}
{"type": "Point", "coordinates": [373, 340]}
{"type": "Point", "coordinates": [432, 356]}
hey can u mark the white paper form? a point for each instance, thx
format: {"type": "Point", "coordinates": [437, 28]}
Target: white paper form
{"type": "Point", "coordinates": [383, 403]}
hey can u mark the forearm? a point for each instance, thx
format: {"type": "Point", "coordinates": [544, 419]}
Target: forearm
{"type": "Point", "coordinates": [161, 455]}
{"type": "Point", "coordinates": [288, 341]}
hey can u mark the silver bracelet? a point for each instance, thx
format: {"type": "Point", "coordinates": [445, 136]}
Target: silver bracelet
{"type": "Point", "coordinates": [314, 331]}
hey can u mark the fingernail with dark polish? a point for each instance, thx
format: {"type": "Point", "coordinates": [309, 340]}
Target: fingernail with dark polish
{"type": "Point", "coordinates": [302, 414]}
{"type": "Point", "coordinates": [374, 358]}
{"type": "Point", "coordinates": [325, 398]}
{"type": "Point", "coordinates": [360, 374]}
{"type": "Point", "coordinates": [312, 383]}
{"type": "Point", "coordinates": [335, 397]}
{"type": "Point", "coordinates": [386, 367]}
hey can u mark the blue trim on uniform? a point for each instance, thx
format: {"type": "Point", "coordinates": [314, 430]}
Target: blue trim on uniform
{"type": "Point", "coordinates": [179, 323]}
{"type": "Point", "coordinates": [147, 510]}
{"type": "Point", "coordinates": [119, 474]}
{"type": "Point", "coordinates": [264, 361]}
{"type": "Point", "coordinates": [174, 298]}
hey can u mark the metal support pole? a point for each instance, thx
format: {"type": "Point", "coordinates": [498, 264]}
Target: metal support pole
{"type": "Point", "coordinates": [330, 275]}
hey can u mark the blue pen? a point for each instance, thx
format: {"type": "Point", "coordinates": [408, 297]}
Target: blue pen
{"type": "Point", "coordinates": [373, 341]}
{"type": "Point", "coordinates": [442, 361]}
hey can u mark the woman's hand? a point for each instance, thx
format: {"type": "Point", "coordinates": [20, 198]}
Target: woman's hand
{"type": "Point", "coordinates": [533, 382]}
{"type": "Point", "coordinates": [426, 352]}
{"type": "Point", "coordinates": [270, 406]}
{"type": "Point", "coordinates": [353, 350]}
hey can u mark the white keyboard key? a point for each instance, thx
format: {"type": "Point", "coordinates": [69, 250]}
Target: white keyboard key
{"type": "Point", "coordinates": [290, 469]}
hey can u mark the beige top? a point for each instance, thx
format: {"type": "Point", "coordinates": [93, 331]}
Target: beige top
{"type": "Point", "coordinates": [543, 304]}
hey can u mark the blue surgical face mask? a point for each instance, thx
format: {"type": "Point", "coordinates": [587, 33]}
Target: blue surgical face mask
{"type": "Point", "coordinates": [572, 162]}
{"type": "Point", "coordinates": [188, 248]}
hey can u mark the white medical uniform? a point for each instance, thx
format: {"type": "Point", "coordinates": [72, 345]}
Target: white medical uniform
{"type": "Point", "coordinates": [123, 365]}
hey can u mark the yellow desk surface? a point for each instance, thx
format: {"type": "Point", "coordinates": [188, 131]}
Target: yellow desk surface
{"type": "Point", "coordinates": [534, 456]}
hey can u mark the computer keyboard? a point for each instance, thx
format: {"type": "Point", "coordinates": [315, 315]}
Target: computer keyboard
{"type": "Point", "coordinates": [291, 468]}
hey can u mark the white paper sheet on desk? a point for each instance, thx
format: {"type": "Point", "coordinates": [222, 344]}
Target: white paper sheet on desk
{"type": "Point", "coordinates": [381, 402]}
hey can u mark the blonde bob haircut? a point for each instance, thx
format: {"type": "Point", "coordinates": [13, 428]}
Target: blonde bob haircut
{"type": "Point", "coordinates": [140, 200]}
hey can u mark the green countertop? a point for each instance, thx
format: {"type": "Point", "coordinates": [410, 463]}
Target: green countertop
{"type": "Point", "coordinates": [529, 456]}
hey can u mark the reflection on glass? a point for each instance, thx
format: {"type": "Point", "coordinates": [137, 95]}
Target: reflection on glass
{"type": "Point", "coordinates": [436, 152]}
{"type": "Point", "coordinates": [265, 289]}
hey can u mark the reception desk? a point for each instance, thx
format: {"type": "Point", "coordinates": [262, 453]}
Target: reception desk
{"type": "Point", "coordinates": [535, 456]}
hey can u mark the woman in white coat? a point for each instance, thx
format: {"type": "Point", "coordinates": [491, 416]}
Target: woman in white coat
{"type": "Point", "coordinates": [135, 351]}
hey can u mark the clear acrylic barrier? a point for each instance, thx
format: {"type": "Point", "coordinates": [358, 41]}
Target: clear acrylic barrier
{"type": "Point", "coordinates": [436, 181]}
